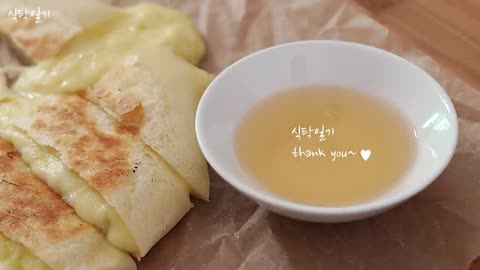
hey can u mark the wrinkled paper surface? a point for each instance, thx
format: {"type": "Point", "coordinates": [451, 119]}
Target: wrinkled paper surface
{"type": "Point", "coordinates": [438, 229]}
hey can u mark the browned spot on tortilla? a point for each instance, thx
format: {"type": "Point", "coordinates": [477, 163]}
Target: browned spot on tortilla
{"type": "Point", "coordinates": [37, 47]}
{"type": "Point", "coordinates": [124, 105]}
{"type": "Point", "coordinates": [39, 124]}
{"type": "Point", "coordinates": [121, 129]}
{"type": "Point", "coordinates": [41, 48]}
{"type": "Point", "coordinates": [27, 205]}
{"type": "Point", "coordinates": [132, 120]}
{"type": "Point", "coordinates": [82, 93]}
{"type": "Point", "coordinates": [14, 154]}
{"type": "Point", "coordinates": [100, 158]}
{"type": "Point", "coordinates": [5, 165]}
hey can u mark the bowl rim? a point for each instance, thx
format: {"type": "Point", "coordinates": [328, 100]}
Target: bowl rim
{"type": "Point", "coordinates": [360, 208]}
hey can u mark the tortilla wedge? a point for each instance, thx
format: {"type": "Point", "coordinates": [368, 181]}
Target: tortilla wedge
{"type": "Point", "coordinates": [43, 231]}
{"type": "Point", "coordinates": [40, 37]}
{"type": "Point", "coordinates": [166, 90]}
{"type": "Point", "coordinates": [83, 59]}
{"type": "Point", "coordinates": [86, 143]}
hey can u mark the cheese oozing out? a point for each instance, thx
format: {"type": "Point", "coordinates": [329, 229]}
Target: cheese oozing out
{"type": "Point", "coordinates": [14, 256]}
{"type": "Point", "coordinates": [87, 203]}
{"type": "Point", "coordinates": [86, 57]}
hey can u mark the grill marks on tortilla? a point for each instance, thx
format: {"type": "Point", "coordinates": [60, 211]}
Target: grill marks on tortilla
{"type": "Point", "coordinates": [89, 150]}
{"type": "Point", "coordinates": [27, 205]}
{"type": "Point", "coordinates": [38, 47]}
{"type": "Point", "coordinates": [122, 103]}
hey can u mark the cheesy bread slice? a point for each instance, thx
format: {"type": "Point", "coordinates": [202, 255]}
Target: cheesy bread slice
{"type": "Point", "coordinates": [108, 175]}
{"type": "Point", "coordinates": [39, 29]}
{"type": "Point", "coordinates": [39, 231]}
{"type": "Point", "coordinates": [82, 60]}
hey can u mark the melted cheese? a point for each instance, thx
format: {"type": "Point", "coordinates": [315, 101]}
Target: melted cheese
{"type": "Point", "coordinates": [88, 204]}
{"type": "Point", "coordinates": [86, 57]}
{"type": "Point", "coordinates": [14, 256]}
{"type": "Point", "coordinates": [169, 91]}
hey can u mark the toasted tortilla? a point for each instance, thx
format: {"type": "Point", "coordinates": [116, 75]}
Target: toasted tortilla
{"type": "Point", "coordinates": [42, 37]}
{"type": "Point", "coordinates": [34, 216]}
{"type": "Point", "coordinates": [154, 94]}
{"type": "Point", "coordinates": [156, 98]}
{"type": "Point", "coordinates": [148, 196]}
{"type": "Point", "coordinates": [84, 59]}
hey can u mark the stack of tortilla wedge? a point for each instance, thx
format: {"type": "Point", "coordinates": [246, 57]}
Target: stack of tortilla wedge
{"type": "Point", "coordinates": [98, 154]}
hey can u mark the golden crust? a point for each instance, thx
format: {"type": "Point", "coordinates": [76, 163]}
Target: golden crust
{"type": "Point", "coordinates": [165, 93]}
{"type": "Point", "coordinates": [128, 107]}
{"type": "Point", "coordinates": [42, 37]}
{"type": "Point", "coordinates": [148, 196]}
{"type": "Point", "coordinates": [34, 47]}
{"type": "Point", "coordinates": [26, 203]}
{"type": "Point", "coordinates": [105, 154]}
{"type": "Point", "coordinates": [36, 217]}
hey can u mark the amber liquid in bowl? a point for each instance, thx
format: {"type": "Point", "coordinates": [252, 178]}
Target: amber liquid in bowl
{"type": "Point", "coordinates": [325, 146]}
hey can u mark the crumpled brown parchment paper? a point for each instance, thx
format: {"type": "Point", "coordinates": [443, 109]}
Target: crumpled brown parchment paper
{"type": "Point", "coordinates": [437, 230]}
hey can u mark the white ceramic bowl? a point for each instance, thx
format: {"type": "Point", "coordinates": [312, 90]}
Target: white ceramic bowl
{"type": "Point", "coordinates": [376, 72]}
